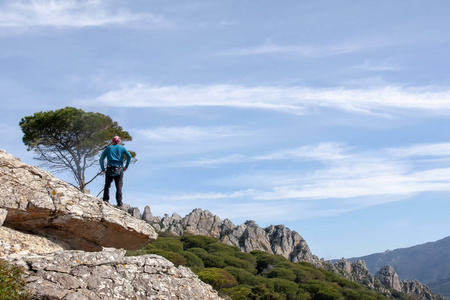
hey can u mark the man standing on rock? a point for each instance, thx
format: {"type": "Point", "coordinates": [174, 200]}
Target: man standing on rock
{"type": "Point", "coordinates": [114, 171]}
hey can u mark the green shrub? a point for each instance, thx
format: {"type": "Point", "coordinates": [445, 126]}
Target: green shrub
{"type": "Point", "coordinates": [239, 292]}
{"type": "Point", "coordinates": [282, 273]}
{"type": "Point", "coordinates": [242, 276]}
{"type": "Point", "coordinates": [202, 253]}
{"type": "Point", "coordinates": [266, 261]}
{"type": "Point", "coordinates": [169, 244]}
{"type": "Point", "coordinates": [328, 294]}
{"type": "Point", "coordinates": [176, 258]}
{"type": "Point", "coordinates": [321, 290]}
{"type": "Point", "coordinates": [217, 278]}
{"type": "Point", "coordinates": [214, 261]}
{"type": "Point", "coordinates": [350, 294]}
{"type": "Point", "coordinates": [222, 248]}
{"type": "Point", "coordinates": [262, 292]}
{"type": "Point", "coordinates": [239, 263]}
{"type": "Point", "coordinates": [135, 252]}
{"type": "Point", "coordinates": [285, 287]}
{"type": "Point", "coordinates": [12, 285]}
{"type": "Point", "coordinates": [196, 241]}
{"type": "Point", "coordinates": [247, 256]}
{"type": "Point", "coordinates": [192, 260]}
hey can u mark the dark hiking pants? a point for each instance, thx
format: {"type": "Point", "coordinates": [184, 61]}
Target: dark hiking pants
{"type": "Point", "coordinates": [118, 181]}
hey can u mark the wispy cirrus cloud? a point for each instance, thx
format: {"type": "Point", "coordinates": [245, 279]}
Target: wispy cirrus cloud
{"type": "Point", "coordinates": [371, 66]}
{"type": "Point", "coordinates": [387, 99]}
{"type": "Point", "coordinates": [368, 178]}
{"type": "Point", "coordinates": [62, 14]}
{"type": "Point", "coordinates": [188, 133]}
{"type": "Point", "coordinates": [269, 47]}
{"type": "Point", "coordinates": [320, 152]}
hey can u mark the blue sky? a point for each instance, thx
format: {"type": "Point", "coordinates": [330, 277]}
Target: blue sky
{"type": "Point", "coordinates": [330, 117]}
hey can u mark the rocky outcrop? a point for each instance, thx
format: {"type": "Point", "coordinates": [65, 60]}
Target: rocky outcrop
{"type": "Point", "coordinates": [385, 280]}
{"type": "Point", "coordinates": [14, 242]}
{"type": "Point", "coordinates": [358, 272]}
{"type": "Point", "coordinates": [248, 236]}
{"type": "Point", "coordinates": [39, 203]}
{"type": "Point", "coordinates": [389, 278]}
{"type": "Point", "coordinates": [109, 275]}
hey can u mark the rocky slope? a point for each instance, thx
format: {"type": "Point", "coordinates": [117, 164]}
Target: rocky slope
{"type": "Point", "coordinates": [38, 202]}
{"type": "Point", "coordinates": [108, 275]}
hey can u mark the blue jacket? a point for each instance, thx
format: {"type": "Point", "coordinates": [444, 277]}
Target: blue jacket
{"type": "Point", "coordinates": [114, 155]}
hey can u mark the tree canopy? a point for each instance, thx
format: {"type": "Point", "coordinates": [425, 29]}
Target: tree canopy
{"type": "Point", "coordinates": [69, 139]}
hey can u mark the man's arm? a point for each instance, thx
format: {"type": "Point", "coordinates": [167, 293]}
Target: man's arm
{"type": "Point", "coordinates": [128, 155]}
{"type": "Point", "coordinates": [102, 161]}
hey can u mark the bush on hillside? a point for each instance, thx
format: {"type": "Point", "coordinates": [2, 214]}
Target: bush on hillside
{"type": "Point", "coordinates": [192, 260]}
{"type": "Point", "coordinates": [12, 285]}
{"type": "Point", "coordinates": [266, 261]}
{"type": "Point", "coordinates": [196, 241]}
{"type": "Point", "coordinates": [282, 273]}
{"type": "Point", "coordinates": [239, 292]}
{"type": "Point", "coordinates": [222, 248]}
{"type": "Point", "coordinates": [242, 276]}
{"type": "Point", "coordinates": [217, 278]}
{"type": "Point", "coordinates": [256, 275]}
{"type": "Point", "coordinates": [176, 258]}
{"type": "Point", "coordinates": [246, 256]}
{"type": "Point", "coordinates": [202, 253]}
{"type": "Point", "coordinates": [214, 261]}
{"type": "Point", "coordinates": [169, 244]}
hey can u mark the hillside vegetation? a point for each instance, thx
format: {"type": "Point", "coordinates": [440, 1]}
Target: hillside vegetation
{"type": "Point", "coordinates": [255, 275]}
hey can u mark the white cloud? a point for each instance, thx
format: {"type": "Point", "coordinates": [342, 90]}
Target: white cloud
{"type": "Point", "coordinates": [439, 149]}
{"type": "Point", "coordinates": [324, 151]}
{"type": "Point", "coordinates": [320, 152]}
{"type": "Point", "coordinates": [269, 47]}
{"type": "Point", "coordinates": [61, 14]}
{"type": "Point", "coordinates": [287, 99]}
{"type": "Point", "coordinates": [368, 65]}
{"type": "Point", "coordinates": [360, 178]}
{"type": "Point", "coordinates": [187, 133]}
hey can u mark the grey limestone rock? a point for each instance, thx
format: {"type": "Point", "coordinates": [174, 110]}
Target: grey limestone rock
{"type": "Point", "coordinates": [358, 272]}
{"type": "Point", "coordinates": [109, 274]}
{"type": "Point", "coordinates": [3, 213]}
{"type": "Point", "coordinates": [248, 236]}
{"type": "Point", "coordinates": [147, 215]}
{"type": "Point", "coordinates": [389, 278]}
{"type": "Point", "coordinates": [40, 203]}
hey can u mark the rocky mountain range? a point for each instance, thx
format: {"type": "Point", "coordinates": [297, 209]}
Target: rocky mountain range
{"type": "Point", "coordinates": [429, 263]}
{"type": "Point", "coordinates": [280, 240]}
{"type": "Point", "coordinates": [71, 244]}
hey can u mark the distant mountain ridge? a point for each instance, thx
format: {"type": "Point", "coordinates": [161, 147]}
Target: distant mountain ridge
{"type": "Point", "coordinates": [429, 263]}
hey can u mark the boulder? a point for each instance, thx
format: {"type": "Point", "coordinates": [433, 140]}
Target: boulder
{"type": "Point", "coordinates": [3, 213]}
{"type": "Point", "coordinates": [109, 274]}
{"type": "Point", "coordinates": [40, 203]}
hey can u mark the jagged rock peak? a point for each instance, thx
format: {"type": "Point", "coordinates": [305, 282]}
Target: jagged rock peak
{"type": "Point", "coordinates": [109, 274]}
{"type": "Point", "coordinates": [358, 272]}
{"type": "Point", "coordinates": [275, 239]}
{"type": "Point", "coordinates": [40, 203]}
{"type": "Point", "coordinates": [389, 278]}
